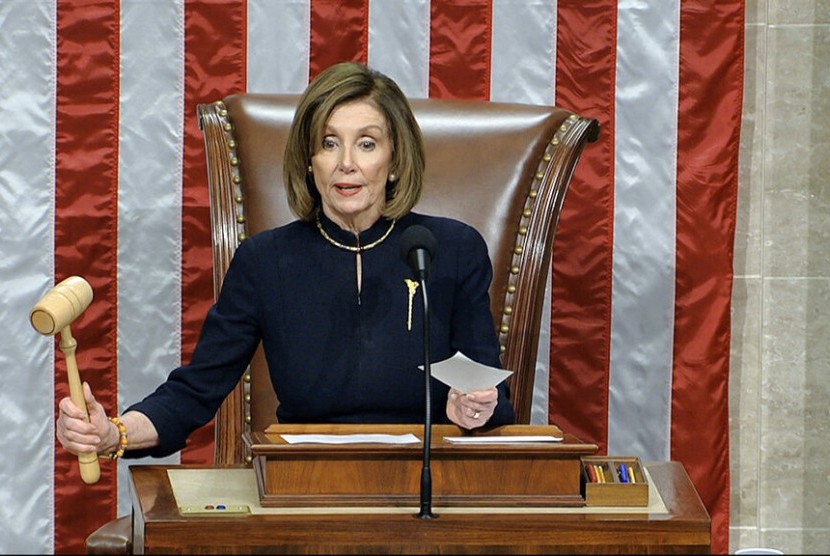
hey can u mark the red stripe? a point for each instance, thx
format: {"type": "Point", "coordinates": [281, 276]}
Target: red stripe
{"type": "Point", "coordinates": [215, 66]}
{"type": "Point", "coordinates": [459, 49]}
{"type": "Point", "coordinates": [86, 222]}
{"type": "Point", "coordinates": [581, 312]}
{"type": "Point", "coordinates": [339, 32]}
{"type": "Point", "coordinates": [710, 106]}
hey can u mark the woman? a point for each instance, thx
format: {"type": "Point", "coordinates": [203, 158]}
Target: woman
{"type": "Point", "coordinates": [329, 295]}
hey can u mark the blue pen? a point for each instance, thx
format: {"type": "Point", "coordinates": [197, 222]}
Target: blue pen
{"type": "Point", "coordinates": [624, 472]}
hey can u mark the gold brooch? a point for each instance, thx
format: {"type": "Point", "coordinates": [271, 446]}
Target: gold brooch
{"type": "Point", "coordinates": [412, 286]}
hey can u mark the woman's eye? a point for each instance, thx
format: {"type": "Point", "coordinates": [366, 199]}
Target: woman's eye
{"type": "Point", "coordinates": [329, 143]}
{"type": "Point", "coordinates": [367, 144]}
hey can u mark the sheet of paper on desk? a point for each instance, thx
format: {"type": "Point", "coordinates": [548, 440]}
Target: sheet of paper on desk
{"type": "Point", "coordinates": [518, 439]}
{"type": "Point", "coordinates": [464, 374]}
{"type": "Point", "coordinates": [351, 438]}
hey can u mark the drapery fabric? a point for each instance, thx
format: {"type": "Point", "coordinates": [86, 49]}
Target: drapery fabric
{"type": "Point", "coordinates": [102, 175]}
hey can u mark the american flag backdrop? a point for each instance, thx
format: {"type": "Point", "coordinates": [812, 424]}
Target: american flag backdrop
{"type": "Point", "coordinates": [102, 175]}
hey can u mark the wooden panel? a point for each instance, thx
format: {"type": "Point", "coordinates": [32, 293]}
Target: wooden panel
{"type": "Point", "coordinates": [375, 474]}
{"type": "Point", "coordinates": [683, 529]}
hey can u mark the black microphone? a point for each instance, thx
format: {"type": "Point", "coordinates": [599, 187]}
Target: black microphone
{"type": "Point", "coordinates": [418, 249]}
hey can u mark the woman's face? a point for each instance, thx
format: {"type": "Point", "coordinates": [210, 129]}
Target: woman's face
{"type": "Point", "coordinates": [351, 165]}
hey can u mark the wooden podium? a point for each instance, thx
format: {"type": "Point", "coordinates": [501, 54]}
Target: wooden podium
{"type": "Point", "coordinates": [535, 473]}
{"type": "Point", "coordinates": [681, 525]}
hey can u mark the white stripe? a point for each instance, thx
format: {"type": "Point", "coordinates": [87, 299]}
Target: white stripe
{"type": "Point", "coordinates": [27, 204]}
{"type": "Point", "coordinates": [644, 229]}
{"type": "Point", "coordinates": [523, 52]}
{"type": "Point", "coordinates": [149, 203]}
{"type": "Point", "coordinates": [523, 58]}
{"type": "Point", "coordinates": [278, 45]}
{"type": "Point", "coordinates": [540, 404]}
{"type": "Point", "coordinates": [399, 43]}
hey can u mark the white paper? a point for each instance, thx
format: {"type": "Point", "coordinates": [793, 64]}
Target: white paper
{"type": "Point", "coordinates": [465, 375]}
{"type": "Point", "coordinates": [351, 438]}
{"type": "Point", "coordinates": [518, 439]}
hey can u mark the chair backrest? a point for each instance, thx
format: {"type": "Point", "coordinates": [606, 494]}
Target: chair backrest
{"type": "Point", "coordinates": [502, 168]}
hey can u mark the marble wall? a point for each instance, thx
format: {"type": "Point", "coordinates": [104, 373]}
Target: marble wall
{"type": "Point", "coordinates": [780, 370]}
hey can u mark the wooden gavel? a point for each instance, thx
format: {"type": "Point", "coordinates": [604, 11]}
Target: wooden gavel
{"type": "Point", "coordinates": [52, 314]}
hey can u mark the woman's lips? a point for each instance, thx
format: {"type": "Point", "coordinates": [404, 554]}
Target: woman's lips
{"type": "Point", "coordinates": [347, 189]}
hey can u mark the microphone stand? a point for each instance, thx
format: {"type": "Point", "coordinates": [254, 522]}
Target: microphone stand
{"type": "Point", "coordinates": [426, 473]}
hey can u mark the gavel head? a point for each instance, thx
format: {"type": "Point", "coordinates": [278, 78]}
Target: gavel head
{"type": "Point", "coordinates": [61, 306]}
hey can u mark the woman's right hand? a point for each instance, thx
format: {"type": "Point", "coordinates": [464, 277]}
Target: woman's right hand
{"type": "Point", "coordinates": [77, 435]}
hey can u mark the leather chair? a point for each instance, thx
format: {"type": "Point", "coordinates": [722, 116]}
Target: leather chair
{"type": "Point", "coordinates": [503, 168]}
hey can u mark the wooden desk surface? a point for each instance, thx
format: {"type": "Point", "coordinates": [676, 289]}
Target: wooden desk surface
{"type": "Point", "coordinates": [159, 527]}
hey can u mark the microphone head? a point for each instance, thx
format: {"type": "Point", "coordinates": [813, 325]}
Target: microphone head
{"type": "Point", "coordinates": [417, 237]}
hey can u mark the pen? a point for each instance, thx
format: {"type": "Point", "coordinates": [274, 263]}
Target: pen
{"type": "Point", "coordinates": [624, 473]}
{"type": "Point", "coordinates": [592, 474]}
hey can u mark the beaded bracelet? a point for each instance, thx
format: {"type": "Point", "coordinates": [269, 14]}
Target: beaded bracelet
{"type": "Point", "coordinates": [122, 439]}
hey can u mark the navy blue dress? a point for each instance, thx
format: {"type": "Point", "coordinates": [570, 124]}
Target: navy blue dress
{"type": "Point", "coordinates": [335, 355]}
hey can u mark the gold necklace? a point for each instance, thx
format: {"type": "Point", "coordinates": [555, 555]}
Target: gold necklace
{"type": "Point", "coordinates": [350, 247]}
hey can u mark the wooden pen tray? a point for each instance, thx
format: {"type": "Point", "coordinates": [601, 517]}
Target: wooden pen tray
{"type": "Point", "coordinates": [605, 484]}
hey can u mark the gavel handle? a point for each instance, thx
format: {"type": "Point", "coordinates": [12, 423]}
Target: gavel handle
{"type": "Point", "coordinates": [88, 462]}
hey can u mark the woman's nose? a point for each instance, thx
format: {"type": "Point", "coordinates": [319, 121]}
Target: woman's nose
{"type": "Point", "coordinates": [346, 161]}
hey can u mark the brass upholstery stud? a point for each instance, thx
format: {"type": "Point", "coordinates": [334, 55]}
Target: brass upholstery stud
{"type": "Point", "coordinates": [236, 179]}
{"type": "Point", "coordinates": [540, 175]}
{"type": "Point", "coordinates": [519, 249]}
{"type": "Point", "coordinates": [533, 193]}
{"type": "Point", "coordinates": [514, 270]}
{"type": "Point", "coordinates": [504, 328]}
{"type": "Point", "coordinates": [523, 230]}
{"type": "Point", "coordinates": [527, 212]}
{"type": "Point", "coordinates": [508, 310]}
{"type": "Point", "coordinates": [511, 288]}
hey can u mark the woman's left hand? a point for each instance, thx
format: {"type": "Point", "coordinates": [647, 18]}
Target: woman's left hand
{"type": "Point", "coordinates": [473, 409]}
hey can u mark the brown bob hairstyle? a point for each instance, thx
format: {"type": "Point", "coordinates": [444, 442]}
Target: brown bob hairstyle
{"type": "Point", "coordinates": [338, 84]}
